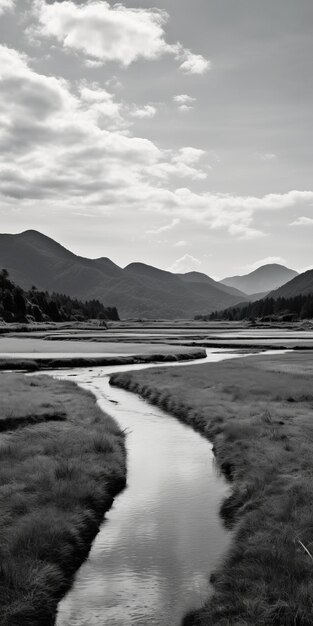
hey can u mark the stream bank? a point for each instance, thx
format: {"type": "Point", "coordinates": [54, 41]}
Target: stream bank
{"type": "Point", "coordinates": [258, 413]}
{"type": "Point", "coordinates": [62, 462]}
{"type": "Point", "coordinates": [151, 560]}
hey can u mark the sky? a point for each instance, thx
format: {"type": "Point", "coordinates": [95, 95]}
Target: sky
{"type": "Point", "coordinates": [177, 133]}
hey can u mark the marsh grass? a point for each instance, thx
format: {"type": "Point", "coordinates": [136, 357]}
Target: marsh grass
{"type": "Point", "coordinates": [263, 443]}
{"type": "Point", "coordinates": [58, 475]}
{"type": "Point", "coordinates": [37, 363]}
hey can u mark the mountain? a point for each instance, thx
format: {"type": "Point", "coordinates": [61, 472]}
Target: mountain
{"type": "Point", "coordinates": [301, 285]}
{"type": "Point", "coordinates": [199, 277]}
{"type": "Point", "coordinates": [138, 290]}
{"type": "Point", "coordinates": [18, 305]}
{"type": "Point", "coordinates": [264, 279]}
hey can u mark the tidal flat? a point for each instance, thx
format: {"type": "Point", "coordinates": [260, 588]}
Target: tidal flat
{"type": "Point", "coordinates": [257, 411]}
{"type": "Point", "coordinates": [62, 461]}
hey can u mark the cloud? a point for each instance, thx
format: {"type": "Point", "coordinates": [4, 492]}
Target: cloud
{"type": "Point", "coordinates": [185, 108]}
{"type": "Point", "coordinates": [194, 63]}
{"type": "Point", "coordinates": [243, 231]}
{"type": "Point", "coordinates": [189, 155]}
{"type": "Point", "coordinates": [99, 103]}
{"type": "Point", "coordinates": [67, 147]}
{"type": "Point", "coordinates": [6, 5]}
{"type": "Point", "coordinates": [184, 99]}
{"type": "Point", "coordinates": [183, 164]}
{"type": "Point", "coordinates": [269, 260]}
{"type": "Point", "coordinates": [93, 63]}
{"type": "Point", "coordinates": [302, 221]}
{"type": "Point", "coordinates": [186, 263]}
{"type": "Point", "coordinates": [148, 111]}
{"type": "Point", "coordinates": [181, 244]}
{"type": "Point", "coordinates": [104, 32]}
{"type": "Point", "coordinates": [53, 142]}
{"type": "Point", "coordinates": [305, 269]}
{"type": "Point", "coordinates": [165, 228]}
{"type": "Point", "coordinates": [185, 102]}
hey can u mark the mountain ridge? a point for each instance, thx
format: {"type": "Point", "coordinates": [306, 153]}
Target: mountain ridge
{"type": "Point", "coordinates": [139, 290]}
{"type": "Point", "coordinates": [264, 279]}
{"type": "Point", "coordinates": [299, 285]}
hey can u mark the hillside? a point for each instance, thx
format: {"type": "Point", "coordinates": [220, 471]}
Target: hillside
{"type": "Point", "coordinates": [18, 305]}
{"type": "Point", "coordinates": [264, 279]}
{"type": "Point", "coordinates": [282, 309]}
{"type": "Point", "coordinates": [200, 278]}
{"type": "Point", "coordinates": [294, 300]}
{"type": "Point", "coordinates": [139, 290]}
{"type": "Point", "coordinates": [300, 285]}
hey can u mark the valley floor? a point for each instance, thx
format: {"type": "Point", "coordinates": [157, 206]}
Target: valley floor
{"type": "Point", "coordinates": [62, 461]}
{"type": "Point", "coordinates": [258, 411]}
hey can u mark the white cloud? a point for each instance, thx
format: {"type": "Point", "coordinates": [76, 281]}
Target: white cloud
{"type": "Point", "coordinates": [306, 269]}
{"type": "Point", "coordinates": [183, 164]}
{"type": "Point", "coordinates": [302, 221]}
{"type": "Point", "coordinates": [269, 260]}
{"type": "Point", "coordinates": [104, 32]}
{"type": "Point", "coordinates": [165, 228]}
{"type": "Point", "coordinates": [185, 102]}
{"type": "Point", "coordinates": [185, 108]}
{"type": "Point", "coordinates": [148, 111]}
{"type": "Point", "coordinates": [243, 231]}
{"type": "Point", "coordinates": [186, 263]}
{"type": "Point", "coordinates": [6, 5]}
{"type": "Point", "coordinates": [99, 104]}
{"type": "Point", "coordinates": [93, 63]}
{"type": "Point", "coordinates": [175, 167]}
{"type": "Point", "coordinates": [184, 99]}
{"type": "Point", "coordinates": [181, 244]}
{"type": "Point", "coordinates": [65, 147]}
{"type": "Point", "coordinates": [194, 63]}
{"type": "Point", "coordinates": [189, 155]}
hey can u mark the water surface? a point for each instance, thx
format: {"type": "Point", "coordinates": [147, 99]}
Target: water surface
{"type": "Point", "coordinates": [150, 562]}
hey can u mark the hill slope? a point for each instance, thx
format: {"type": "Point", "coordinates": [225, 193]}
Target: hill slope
{"type": "Point", "coordinates": [200, 278]}
{"type": "Point", "coordinates": [301, 285]}
{"type": "Point", "coordinates": [139, 290]}
{"type": "Point", "coordinates": [264, 279]}
{"type": "Point", "coordinates": [18, 305]}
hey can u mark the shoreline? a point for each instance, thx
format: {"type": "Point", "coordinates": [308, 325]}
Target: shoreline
{"type": "Point", "coordinates": [257, 414]}
{"type": "Point", "coordinates": [35, 364]}
{"type": "Point", "coordinates": [62, 464]}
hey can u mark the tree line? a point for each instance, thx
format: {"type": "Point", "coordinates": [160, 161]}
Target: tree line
{"type": "Point", "coordinates": [283, 309]}
{"type": "Point", "coordinates": [18, 305]}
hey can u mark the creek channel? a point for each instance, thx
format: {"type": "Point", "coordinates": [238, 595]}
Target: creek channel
{"type": "Point", "coordinates": [150, 562]}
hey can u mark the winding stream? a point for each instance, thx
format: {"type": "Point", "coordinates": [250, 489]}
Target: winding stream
{"type": "Point", "coordinates": [150, 562]}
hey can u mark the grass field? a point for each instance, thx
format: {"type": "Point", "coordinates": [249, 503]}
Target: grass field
{"type": "Point", "coordinates": [258, 412]}
{"type": "Point", "coordinates": [61, 463]}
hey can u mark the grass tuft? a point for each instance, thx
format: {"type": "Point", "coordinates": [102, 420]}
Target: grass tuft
{"type": "Point", "coordinates": [61, 463]}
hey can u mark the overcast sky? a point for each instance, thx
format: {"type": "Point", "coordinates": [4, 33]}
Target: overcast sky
{"type": "Point", "coordinates": [174, 132]}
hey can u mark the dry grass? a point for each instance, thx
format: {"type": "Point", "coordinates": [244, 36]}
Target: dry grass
{"type": "Point", "coordinates": [57, 479]}
{"type": "Point", "coordinates": [259, 414]}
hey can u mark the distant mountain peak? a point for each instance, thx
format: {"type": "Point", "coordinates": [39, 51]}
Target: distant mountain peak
{"type": "Point", "coordinates": [139, 290]}
{"type": "Point", "coordinates": [263, 279]}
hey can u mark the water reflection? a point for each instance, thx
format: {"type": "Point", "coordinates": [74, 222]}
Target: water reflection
{"type": "Point", "coordinates": [150, 562]}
